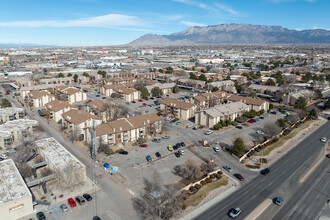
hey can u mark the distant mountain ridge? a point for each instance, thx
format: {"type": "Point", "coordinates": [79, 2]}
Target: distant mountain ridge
{"type": "Point", "coordinates": [26, 45]}
{"type": "Point", "coordinates": [235, 34]}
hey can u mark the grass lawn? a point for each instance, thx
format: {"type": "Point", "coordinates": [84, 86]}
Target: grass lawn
{"type": "Point", "coordinates": [204, 191]}
{"type": "Point", "coordinates": [283, 139]}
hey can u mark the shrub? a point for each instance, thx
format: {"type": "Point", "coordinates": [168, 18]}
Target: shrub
{"type": "Point", "coordinates": [141, 140]}
{"type": "Point", "coordinates": [176, 119]}
{"type": "Point", "coordinates": [203, 182]}
{"type": "Point", "coordinates": [241, 119]}
{"type": "Point", "coordinates": [184, 207]}
{"type": "Point", "coordinates": [120, 149]}
{"type": "Point", "coordinates": [198, 186]}
{"type": "Point", "coordinates": [217, 126]}
{"type": "Point", "coordinates": [263, 160]}
{"type": "Point", "coordinates": [212, 176]}
{"type": "Point", "coordinates": [219, 176]}
{"type": "Point", "coordinates": [234, 123]}
{"type": "Point", "coordinates": [208, 180]}
{"type": "Point", "coordinates": [81, 137]}
{"type": "Point", "coordinates": [192, 188]}
{"type": "Point", "coordinates": [219, 172]}
{"type": "Point", "coordinates": [253, 166]}
{"type": "Point", "coordinates": [59, 122]}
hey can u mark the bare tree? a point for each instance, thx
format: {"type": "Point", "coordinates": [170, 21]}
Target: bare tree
{"type": "Point", "coordinates": [271, 130]}
{"type": "Point", "coordinates": [293, 118]}
{"type": "Point", "coordinates": [301, 113]}
{"type": "Point", "coordinates": [70, 176]}
{"type": "Point", "coordinates": [24, 152]}
{"type": "Point", "coordinates": [208, 167]}
{"type": "Point", "coordinates": [190, 170]}
{"type": "Point", "coordinates": [156, 201]}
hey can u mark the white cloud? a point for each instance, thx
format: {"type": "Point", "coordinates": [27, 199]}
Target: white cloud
{"type": "Point", "coordinates": [105, 21]}
{"type": "Point", "coordinates": [226, 8]}
{"type": "Point", "coordinates": [193, 3]}
{"type": "Point", "coordinates": [189, 23]}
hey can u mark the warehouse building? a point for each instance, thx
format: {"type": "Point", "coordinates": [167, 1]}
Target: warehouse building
{"type": "Point", "coordinates": [15, 197]}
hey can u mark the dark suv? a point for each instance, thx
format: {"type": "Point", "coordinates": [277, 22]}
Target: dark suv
{"type": "Point", "coordinates": [80, 200]}
{"type": "Point", "coordinates": [265, 171]}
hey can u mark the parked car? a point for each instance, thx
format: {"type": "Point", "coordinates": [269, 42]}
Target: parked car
{"type": "Point", "coordinates": [254, 120]}
{"type": "Point", "coordinates": [175, 147]}
{"type": "Point", "coordinates": [106, 97]}
{"type": "Point", "coordinates": [265, 171]}
{"type": "Point", "coordinates": [80, 200]}
{"type": "Point", "coordinates": [149, 159]}
{"type": "Point", "coordinates": [195, 128]}
{"type": "Point", "coordinates": [189, 126]}
{"type": "Point", "coordinates": [239, 127]}
{"type": "Point", "coordinates": [250, 121]}
{"type": "Point", "coordinates": [177, 154]}
{"type": "Point", "coordinates": [273, 112]}
{"type": "Point", "coordinates": [87, 197]}
{"type": "Point", "coordinates": [278, 200]}
{"type": "Point", "coordinates": [133, 101]}
{"type": "Point", "coordinates": [140, 100]}
{"type": "Point", "coordinates": [97, 95]}
{"type": "Point", "coordinates": [41, 216]}
{"type": "Point", "coordinates": [178, 123]}
{"type": "Point", "coordinates": [96, 218]}
{"type": "Point", "coordinates": [183, 144]}
{"type": "Point", "coordinates": [64, 208]}
{"type": "Point", "coordinates": [216, 149]}
{"type": "Point", "coordinates": [234, 212]}
{"type": "Point", "coordinates": [124, 152]}
{"type": "Point", "coordinates": [267, 115]}
{"type": "Point", "coordinates": [166, 137]}
{"type": "Point", "coordinates": [228, 168]}
{"type": "Point", "coordinates": [144, 104]}
{"type": "Point", "coordinates": [324, 139]}
{"type": "Point", "coordinates": [208, 132]}
{"type": "Point", "coordinates": [181, 152]}
{"type": "Point", "coordinates": [328, 155]}
{"type": "Point", "coordinates": [158, 155]}
{"type": "Point", "coordinates": [262, 117]}
{"type": "Point", "coordinates": [239, 176]}
{"type": "Point", "coordinates": [152, 98]}
{"type": "Point", "coordinates": [170, 148]}
{"type": "Point", "coordinates": [168, 119]}
{"type": "Point", "coordinates": [143, 145]}
{"type": "Point", "coordinates": [72, 203]}
{"type": "Point", "coordinates": [260, 132]}
{"type": "Point", "coordinates": [156, 140]}
{"type": "Point", "coordinates": [4, 156]}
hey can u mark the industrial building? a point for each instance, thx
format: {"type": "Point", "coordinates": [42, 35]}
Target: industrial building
{"type": "Point", "coordinates": [15, 197]}
{"type": "Point", "coordinates": [68, 168]}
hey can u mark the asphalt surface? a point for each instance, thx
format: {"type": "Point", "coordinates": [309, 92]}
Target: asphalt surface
{"type": "Point", "coordinates": [283, 181]}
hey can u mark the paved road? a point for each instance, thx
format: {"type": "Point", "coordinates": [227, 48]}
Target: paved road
{"type": "Point", "coordinates": [119, 200]}
{"type": "Point", "coordinates": [284, 176]}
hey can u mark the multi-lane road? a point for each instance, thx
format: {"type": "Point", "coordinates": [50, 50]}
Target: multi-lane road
{"type": "Point", "coordinates": [300, 200]}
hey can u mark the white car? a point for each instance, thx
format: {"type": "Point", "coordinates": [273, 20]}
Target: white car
{"type": "Point", "coordinates": [3, 156]}
{"type": "Point", "coordinates": [260, 132]}
{"type": "Point", "coordinates": [189, 126]}
{"type": "Point", "coordinates": [181, 152]}
{"type": "Point", "coordinates": [208, 132]}
{"type": "Point", "coordinates": [216, 149]}
{"type": "Point", "coordinates": [324, 139]}
{"type": "Point", "coordinates": [234, 212]}
{"type": "Point", "coordinates": [166, 137]}
{"type": "Point", "coordinates": [168, 119]}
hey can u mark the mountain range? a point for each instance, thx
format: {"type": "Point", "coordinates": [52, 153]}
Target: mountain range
{"type": "Point", "coordinates": [235, 34]}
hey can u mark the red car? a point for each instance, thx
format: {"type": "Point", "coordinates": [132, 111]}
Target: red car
{"type": "Point", "coordinates": [251, 121]}
{"type": "Point", "coordinates": [143, 145]}
{"type": "Point", "coordinates": [239, 176]}
{"type": "Point", "coordinates": [140, 100]}
{"type": "Point", "coordinates": [144, 104]}
{"type": "Point", "coordinates": [72, 203]}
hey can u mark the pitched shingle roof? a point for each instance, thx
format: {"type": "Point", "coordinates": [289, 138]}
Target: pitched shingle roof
{"type": "Point", "coordinates": [78, 116]}
{"type": "Point", "coordinates": [177, 104]}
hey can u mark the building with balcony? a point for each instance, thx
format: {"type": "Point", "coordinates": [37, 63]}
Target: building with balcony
{"type": "Point", "coordinates": [178, 109]}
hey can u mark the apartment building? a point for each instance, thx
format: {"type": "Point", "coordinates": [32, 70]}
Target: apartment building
{"type": "Point", "coordinates": [115, 80]}
{"type": "Point", "coordinates": [25, 90]}
{"type": "Point", "coordinates": [269, 90]}
{"type": "Point", "coordinates": [39, 99]}
{"type": "Point", "coordinates": [100, 108]}
{"type": "Point", "coordinates": [78, 122]}
{"type": "Point", "coordinates": [292, 97]}
{"type": "Point", "coordinates": [16, 130]}
{"type": "Point", "coordinates": [209, 99]}
{"type": "Point", "coordinates": [71, 94]}
{"type": "Point", "coordinates": [127, 94]}
{"type": "Point", "coordinates": [213, 115]}
{"type": "Point", "coordinates": [16, 198]}
{"type": "Point", "coordinates": [254, 103]}
{"type": "Point", "coordinates": [11, 113]}
{"type": "Point", "coordinates": [127, 130]}
{"type": "Point", "coordinates": [167, 88]}
{"type": "Point", "coordinates": [64, 80]}
{"type": "Point", "coordinates": [57, 107]}
{"type": "Point", "coordinates": [226, 85]}
{"type": "Point", "coordinates": [67, 167]}
{"type": "Point", "coordinates": [179, 109]}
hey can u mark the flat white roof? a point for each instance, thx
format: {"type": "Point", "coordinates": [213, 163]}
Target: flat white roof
{"type": "Point", "coordinates": [57, 154]}
{"type": "Point", "coordinates": [12, 185]}
{"type": "Point", "coordinates": [18, 125]}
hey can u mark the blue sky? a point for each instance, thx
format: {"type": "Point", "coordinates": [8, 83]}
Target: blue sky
{"type": "Point", "coordinates": [112, 22]}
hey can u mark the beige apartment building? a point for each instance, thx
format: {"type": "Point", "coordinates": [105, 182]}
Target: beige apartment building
{"type": "Point", "coordinates": [254, 103]}
{"type": "Point", "coordinates": [57, 107]}
{"type": "Point", "coordinates": [38, 99]}
{"type": "Point", "coordinates": [179, 109]}
{"type": "Point", "coordinates": [71, 94]}
{"type": "Point", "coordinates": [127, 94]}
{"type": "Point", "coordinates": [127, 130]}
{"type": "Point", "coordinates": [100, 108]}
